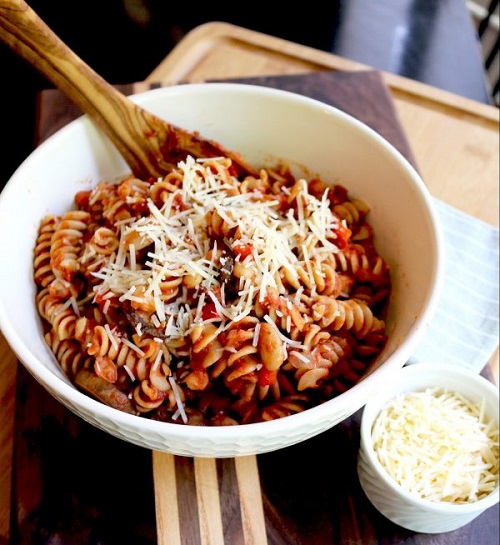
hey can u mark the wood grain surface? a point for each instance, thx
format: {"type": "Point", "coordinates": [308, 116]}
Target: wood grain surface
{"type": "Point", "coordinates": [73, 484]}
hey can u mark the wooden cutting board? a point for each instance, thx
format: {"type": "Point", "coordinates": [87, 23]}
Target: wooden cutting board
{"type": "Point", "coordinates": [75, 484]}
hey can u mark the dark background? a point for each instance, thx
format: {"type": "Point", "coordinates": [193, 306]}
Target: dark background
{"type": "Point", "coordinates": [432, 41]}
{"type": "Point", "coordinates": [123, 45]}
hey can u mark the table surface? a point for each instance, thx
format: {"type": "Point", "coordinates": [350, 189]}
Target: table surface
{"type": "Point", "coordinates": [455, 141]}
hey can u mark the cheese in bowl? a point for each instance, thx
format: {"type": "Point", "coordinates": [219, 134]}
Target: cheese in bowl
{"type": "Point", "coordinates": [432, 440]}
{"type": "Point", "coordinates": [439, 445]}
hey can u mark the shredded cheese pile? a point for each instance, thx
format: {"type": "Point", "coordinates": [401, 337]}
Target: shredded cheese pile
{"type": "Point", "coordinates": [181, 244]}
{"type": "Point", "coordinates": [438, 445]}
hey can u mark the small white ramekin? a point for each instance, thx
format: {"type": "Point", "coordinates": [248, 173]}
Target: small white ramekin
{"type": "Point", "coordinates": [392, 500]}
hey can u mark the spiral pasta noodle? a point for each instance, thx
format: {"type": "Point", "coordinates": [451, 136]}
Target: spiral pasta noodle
{"type": "Point", "coordinates": [205, 299]}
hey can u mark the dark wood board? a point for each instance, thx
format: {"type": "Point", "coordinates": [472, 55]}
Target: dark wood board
{"type": "Point", "coordinates": [73, 484]}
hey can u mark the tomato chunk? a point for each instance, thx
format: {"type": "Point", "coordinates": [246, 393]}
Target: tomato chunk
{"type": "Point", "coordinates": [266, 377]}
{"type": "Point", "coordinates": [243, 250]}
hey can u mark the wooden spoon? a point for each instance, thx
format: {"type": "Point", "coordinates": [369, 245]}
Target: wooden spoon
{"type": "Point", "coordinates": [149, 145]}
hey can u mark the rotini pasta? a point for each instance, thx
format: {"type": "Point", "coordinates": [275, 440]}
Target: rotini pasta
{"type": "Point", "coordinates": [205, 299]}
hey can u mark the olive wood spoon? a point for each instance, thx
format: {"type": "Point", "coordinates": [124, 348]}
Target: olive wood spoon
{"type": "Point", "coordinates": [150, 146]}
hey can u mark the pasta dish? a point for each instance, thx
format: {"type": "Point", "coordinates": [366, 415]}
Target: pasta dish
{"type": "Point", "coordinates": [202, 298]}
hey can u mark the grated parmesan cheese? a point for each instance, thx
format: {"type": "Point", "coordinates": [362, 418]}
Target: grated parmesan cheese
{"type": "Point", "coordinates": [178, 400]}
{"type": "Point", "coordinates": [111, 337]}
{"type": "Point", "coordinates": [178, 243]}
{"type": "Point", "coordinates": [438, 445]}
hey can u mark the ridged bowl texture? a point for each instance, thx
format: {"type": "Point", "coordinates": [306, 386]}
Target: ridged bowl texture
{"type": "Point", "coordinates": [392, 500]}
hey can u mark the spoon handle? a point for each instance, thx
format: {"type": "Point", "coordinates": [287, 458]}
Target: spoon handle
{"type": "Point", "coordinates": [149, 145]}
{"type": "Point", "coordinates": [23, 30]}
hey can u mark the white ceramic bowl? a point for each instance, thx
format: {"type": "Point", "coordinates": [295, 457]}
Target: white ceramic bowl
{"type": "Point", "coordinates": [391, 499]}
{"type": "Point", "coordinates": [262, 124]}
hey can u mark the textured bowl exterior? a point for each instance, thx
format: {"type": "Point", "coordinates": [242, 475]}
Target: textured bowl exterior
{"type": "Point", "coordinates": [384, 493]}
{"type": "Point", "coordinates": [412, 515]}
{"type": "Point", "coordinates": [261, 124]}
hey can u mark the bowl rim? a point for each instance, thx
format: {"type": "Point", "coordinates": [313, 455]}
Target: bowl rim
{"type": "Point", "coordinates": [68, 392]}
{"type": "Point", "coordinates": [427, 371]}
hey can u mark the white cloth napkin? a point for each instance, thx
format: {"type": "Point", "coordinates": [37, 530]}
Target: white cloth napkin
{"type": "Point", "coordinates": [465, 328]}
